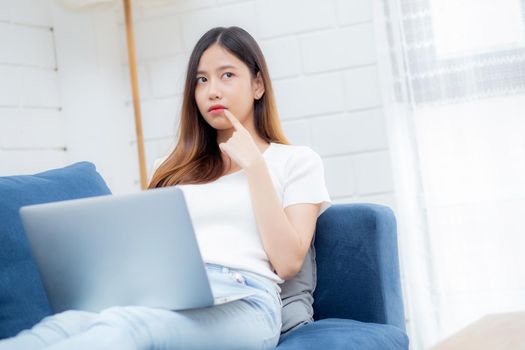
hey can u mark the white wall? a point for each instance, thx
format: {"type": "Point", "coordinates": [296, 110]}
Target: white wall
{"type": "Point", "coordinates": [92, 86]}
{"type": "Point", "coordinates": [65, 96]}
{"type": "Point", "coordinates": [32, 136]}
{"type": "Point", "coordinates": [322, 62]}
{"type": "Point", "coordinates": [61, 97]}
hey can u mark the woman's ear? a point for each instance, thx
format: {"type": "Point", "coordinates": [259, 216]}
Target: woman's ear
{"type": "Point", "coordinates": [258, 86]}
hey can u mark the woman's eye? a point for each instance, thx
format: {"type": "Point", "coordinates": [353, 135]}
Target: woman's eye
{"type": "Point", "coordinates": [230, 74]}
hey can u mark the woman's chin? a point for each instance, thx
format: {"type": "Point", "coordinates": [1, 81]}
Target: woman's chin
{"type": "Point", "coordinates": [221, 125]}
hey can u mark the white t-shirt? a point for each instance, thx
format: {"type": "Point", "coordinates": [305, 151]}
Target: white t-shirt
{"type": "Point", "coordinates": [222, 212]}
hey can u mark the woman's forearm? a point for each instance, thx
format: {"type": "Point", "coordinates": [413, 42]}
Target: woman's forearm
{"type": "Point", "coordinates": [279, 238]}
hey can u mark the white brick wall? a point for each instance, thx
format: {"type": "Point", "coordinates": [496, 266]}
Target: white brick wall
{"type": "Point", "coordinates": [29, 12]}
{"type": "Point", "coordinates": [322, 63]}
{"type": "Point", "coordinates": [32, 137]}
{"type": "Point", "coordinates": [27, 128]}
{"type": "Point", "coordinates": [320, 53]}
{"type": "Point", "coordinates": [93, 93]}
{"type": "Point", "coordinates": [61, 92]}
{"type": "Point", "coordinates": [353, 12]}
{"type": "Point", "coordinates": [277, 18]}
{"type": "Point", "coordinates": [283, 55]}
{"type": "Point", "coordinates": [338, 48]}
{"type": "Point", "coordinates": [310, 96]}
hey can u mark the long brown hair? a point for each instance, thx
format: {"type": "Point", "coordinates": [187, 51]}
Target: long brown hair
{"type": "Point", "coordinates": [197, 156]}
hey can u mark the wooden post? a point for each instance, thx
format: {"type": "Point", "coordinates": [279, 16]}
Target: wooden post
{"type": "Point", "coordinates": [135, 93]}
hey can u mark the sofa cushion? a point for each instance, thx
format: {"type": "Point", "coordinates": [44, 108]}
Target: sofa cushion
{"type": "Point", "coordinates": [23, 301]}
{"type": "Point", "coordinates": [340, 334]}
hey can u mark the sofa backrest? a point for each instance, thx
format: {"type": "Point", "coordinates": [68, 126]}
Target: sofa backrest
{"type": "Point", "coordinates": [23, 301]}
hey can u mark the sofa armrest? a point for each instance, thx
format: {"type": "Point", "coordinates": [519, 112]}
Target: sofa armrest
{"type": "Point", "coordinates": [357, 265]}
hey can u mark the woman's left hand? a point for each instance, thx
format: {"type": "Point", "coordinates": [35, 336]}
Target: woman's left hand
{"type": "Point", "coordinates": [241, 147]}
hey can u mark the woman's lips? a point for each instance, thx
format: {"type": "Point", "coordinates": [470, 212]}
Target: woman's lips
{"type": "Point", "coordinates": [216, 111]}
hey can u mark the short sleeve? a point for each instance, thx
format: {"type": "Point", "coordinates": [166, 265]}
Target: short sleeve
{"type": "Point", "coordinates": [305, 180]}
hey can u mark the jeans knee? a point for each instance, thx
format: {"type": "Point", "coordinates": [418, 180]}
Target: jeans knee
{"type": "Point", "coordinates": [78, 316]}
{"type": "Point", "coordinates": [117, 315]}
{"type": "Point", "coordinates": [145, 325]}
{"type": "Point", "coordinates": [127, 321]}
{"type": "Point", "coordinates": [69, 322]}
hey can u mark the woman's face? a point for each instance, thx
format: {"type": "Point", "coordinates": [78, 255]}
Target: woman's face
{"type": "Point", "coordinates": [223, 79]}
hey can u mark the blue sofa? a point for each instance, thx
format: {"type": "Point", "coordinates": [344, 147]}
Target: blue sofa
{"type": "Point", "coordinates": [358, 300]}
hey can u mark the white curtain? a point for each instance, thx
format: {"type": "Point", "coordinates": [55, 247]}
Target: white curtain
{"type": "Point", "coordinates": [453, 75]}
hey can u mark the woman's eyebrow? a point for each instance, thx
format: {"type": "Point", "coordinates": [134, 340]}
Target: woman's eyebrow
{"type": "Point", "coordinates": [218, 69]}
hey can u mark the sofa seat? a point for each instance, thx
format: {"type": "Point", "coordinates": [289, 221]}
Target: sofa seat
{"type": "Point", "coordinates": [336, 333]}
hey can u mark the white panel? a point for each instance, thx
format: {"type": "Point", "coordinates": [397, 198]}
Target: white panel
{"type": "Point", "coordinates": [283, 56]}
{"type": "Point", "coordinates": [354, 11]}
{"type": "Point", "coordinates": [336, 49]}
{"type": "Point", "coordinates": [354, 132]}
{"type": "Point", "coordinates": [382, 199]}
{"type": "Point", "coordinates": [340, 177]}
{"type": "Point", "coordinates": [34, 12]}
{"type": "Point", "coordinates": [6, 39]}
{"type": "Point", "coordinates": [195, 24]}
{"type": "Point", "coordinates": [307, 96]}
{"type": "Point", "coordinates": [32, 46]}
{"type": "Point", "coordinates": [143, 77]}
{"type": "Point", "coordinates": [152, 8]}
{"type": "Point", "coordinates": [92, 91]}
{"type": "Point", "coordinates": [10, 86]}
{"type": "Point", "coordinates": [280, 17]}
{"type": "Point", "coordinates": [168, 75]}
{"type": "Point", "coordinates": [373, 173]}
{"type": "Point", "coordinates": [30, 161]}
{"type": "Point", "coordinates": [298, 132]}
{"type": "Point", "coordinates": [31, 128]}
{"type": "Point", "coordinates": [362, 88]}
{"type": "Point", "coordinates": [40, 88]}
{"type": "Point", "coordinates": [158, 37]}
{"type": "Point", "coordinates": [230, 1]}
{"type": "Point", "coordinates": [159, 118]}
{"type": "Point", "coordinates": [154, 149]}
{"type": "Point", "coordinates": [5, 10]}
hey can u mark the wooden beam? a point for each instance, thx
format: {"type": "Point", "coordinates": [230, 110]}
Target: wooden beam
{"type": "Point", "coordinates": [135, 93]}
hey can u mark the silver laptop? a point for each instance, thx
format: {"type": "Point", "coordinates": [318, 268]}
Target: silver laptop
{"type": "Point", "coordinates": [132, 249]}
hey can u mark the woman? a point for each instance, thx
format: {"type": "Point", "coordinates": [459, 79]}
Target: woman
{"type": "Point", "coordinates": [254, 201]}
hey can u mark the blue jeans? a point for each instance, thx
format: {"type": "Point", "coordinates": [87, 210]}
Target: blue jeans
{"type": "Point", "coordinates": [250, 323]}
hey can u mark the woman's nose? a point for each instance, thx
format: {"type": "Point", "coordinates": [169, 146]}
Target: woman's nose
{"type": "Point", "coordinates": [214, 89]}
